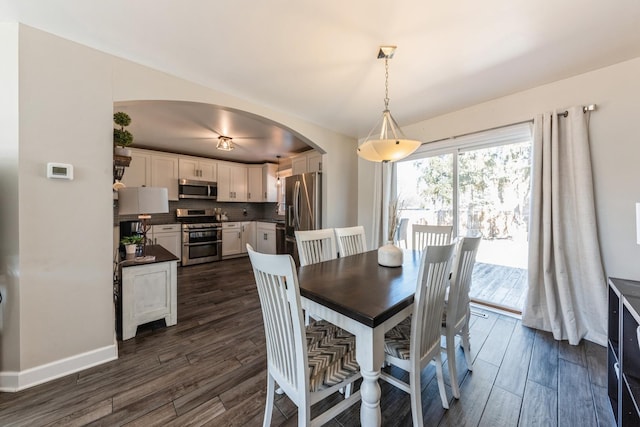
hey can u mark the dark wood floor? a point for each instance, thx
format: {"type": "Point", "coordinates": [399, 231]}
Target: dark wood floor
{"type": "Point", "coordinates": [210, 370]}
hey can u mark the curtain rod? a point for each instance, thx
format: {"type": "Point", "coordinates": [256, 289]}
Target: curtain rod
{"type": "Point", "coordinates": [590, 107]}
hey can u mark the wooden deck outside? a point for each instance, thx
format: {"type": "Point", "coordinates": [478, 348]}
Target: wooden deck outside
{"type": "Point", "coordinates": [499, 285]}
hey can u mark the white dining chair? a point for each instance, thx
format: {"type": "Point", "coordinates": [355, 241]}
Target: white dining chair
{"type": "Point", "coordinates": [455, 319]}
{"type": "Point", "coordinates": [430, 235]}
{"type": "Point", "coordinates": [316, 246]}
{"type": "Point", "coordinates": [401, 232]}
{"type": "Point", "coordinates": [351, 240]}
{"type": "Point", "coordinates": [415, 342]}
{"type": "Point", "coordinates": [308, 363]}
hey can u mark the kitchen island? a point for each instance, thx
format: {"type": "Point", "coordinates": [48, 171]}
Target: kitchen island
{"type": "Point", "coordinates": [147, 291]}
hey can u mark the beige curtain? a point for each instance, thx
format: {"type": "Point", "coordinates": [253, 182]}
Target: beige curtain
{"type": "Point", "coordinates": [567, 288]}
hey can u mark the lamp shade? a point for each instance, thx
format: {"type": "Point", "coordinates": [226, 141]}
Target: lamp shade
{"type": "Point", "coordinates": [143, 200]}
{"type": "Point", "coordinates": [390, 144]}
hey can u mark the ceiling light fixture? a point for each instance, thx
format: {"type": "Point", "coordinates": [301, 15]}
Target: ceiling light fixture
{"type": "Point", "coordinates": [386, 142]}
{"type": "Point", "coordinates": [225, 143]}
{"type": "Point", "coordinates": [278, 171]}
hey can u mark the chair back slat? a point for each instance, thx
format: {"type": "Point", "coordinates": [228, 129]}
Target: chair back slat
{"type": "Point", "coordinates": [316, 246]}
{"type": "Point", "coordinates": [431, 235]}
{"type": "Point", "coordinates": [458, 303]}
{"type": "Point", "coordinates": [351, 240]}
{"type": "Point", "coordinates": [429, 299]}
{"type": "Point", "coordinates": [279, 295]}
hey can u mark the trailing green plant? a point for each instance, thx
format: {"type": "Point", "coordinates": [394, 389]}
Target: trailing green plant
{"type": "Point", "coordinates": [132, 240]}
{"type": "Point", "coordinates": [122, 137]}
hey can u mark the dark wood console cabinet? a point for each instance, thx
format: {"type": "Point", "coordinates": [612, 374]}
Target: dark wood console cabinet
{"type": "Point", "coordinates": [624, 351]}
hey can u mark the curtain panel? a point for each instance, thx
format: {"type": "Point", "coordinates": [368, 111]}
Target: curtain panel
{"type": "Point", "coordinates": [567, 292]}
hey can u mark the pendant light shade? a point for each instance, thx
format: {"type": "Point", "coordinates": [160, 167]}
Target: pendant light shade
{"type": "Point", "coordinates": [386, 142]}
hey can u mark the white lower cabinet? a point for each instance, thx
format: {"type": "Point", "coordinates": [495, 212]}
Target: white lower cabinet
{"type": "Point", "coordinates": [248, 235]}
{"type": "Point", "coordinates": [231, 238]}
{"type": "Point", "coordinates": [169, 236]}
{"type": "Point", "coordinates": [266, 237]}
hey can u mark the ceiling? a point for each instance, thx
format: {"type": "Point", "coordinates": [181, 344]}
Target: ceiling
{"type": "Point", "coordinates": [317, 60]}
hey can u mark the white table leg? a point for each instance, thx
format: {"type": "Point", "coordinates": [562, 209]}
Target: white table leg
{"type": "Point", "coordinates": [370, 355]}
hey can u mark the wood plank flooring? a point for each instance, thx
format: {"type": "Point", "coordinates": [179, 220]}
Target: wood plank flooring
{"type": "Point", "coordinates": [499, 285]}
{"type": "Point", "coordinates": [209, 369]}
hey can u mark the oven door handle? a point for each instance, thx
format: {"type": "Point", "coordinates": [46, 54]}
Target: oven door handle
{"type": "Point", "coordinates": [195, 230]}
{"type": "Point", "coordinates": [202, 243]}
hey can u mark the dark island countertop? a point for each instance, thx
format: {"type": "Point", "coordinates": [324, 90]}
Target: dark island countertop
{"type": "Point", "coordinates": [161, 254]}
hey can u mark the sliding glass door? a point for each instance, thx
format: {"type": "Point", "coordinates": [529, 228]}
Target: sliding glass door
{"type": "Point", "coordinates": [478, 187]}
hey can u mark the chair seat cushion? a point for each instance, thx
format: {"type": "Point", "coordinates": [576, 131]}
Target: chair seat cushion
{"type": "Point", "coordinates": [396, 341]}
{"type": "Point", "coordinates": [332, 355]}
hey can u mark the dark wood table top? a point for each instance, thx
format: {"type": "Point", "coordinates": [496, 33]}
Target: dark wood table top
{"type": "Point", "coordinates": [358, 287]}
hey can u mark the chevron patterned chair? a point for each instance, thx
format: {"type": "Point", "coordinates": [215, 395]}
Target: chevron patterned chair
{"type": "Point", "coordinates": [415, 342]}
{"type": "Point", "coordinates": [308, 363]}
{"type": "Point", "coordinates": [351, 240]}
{"type": "Point", "coordinates": [455, 320]}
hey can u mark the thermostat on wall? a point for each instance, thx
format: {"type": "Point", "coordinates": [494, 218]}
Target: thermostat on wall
{"type": "Point", "coordinates": [60, 171]}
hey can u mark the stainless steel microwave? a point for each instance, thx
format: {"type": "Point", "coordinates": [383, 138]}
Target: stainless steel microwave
{"type": "Point", "coordinates": [191, 189]}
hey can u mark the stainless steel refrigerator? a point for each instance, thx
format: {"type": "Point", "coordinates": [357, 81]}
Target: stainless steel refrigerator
{"type": "Point", "coordinates": [303, 199]}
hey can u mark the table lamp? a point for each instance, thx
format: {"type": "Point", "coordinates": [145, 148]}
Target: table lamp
{"type": "Point", "coordinates": [143, 201]}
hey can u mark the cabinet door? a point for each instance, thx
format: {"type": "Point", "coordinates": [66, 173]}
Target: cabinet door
{"type": "Point", "coordinates": [254, 184]}
{"type": "Point", "coordinates": [248, 235]}
{"type": "Point", "coordinates": [224, 183]}
{"type": "Point", "coordinates": [314, 161]}
{"type": "Point", "coordinates": [231, 241]}
{"type": "Point", "coordinates": [299, 165]}
{"type": "Point", "coordinates": [208, 170]}
{"type": "Point", "coordinates": [239, 183]}
{"type": "Point", "coordinates": [266, 238]}
{"type": "Point", "coordinates": [188, 168]}
{"type": "Point", "coordinates": [164, 173]}
{"type": "Point", "coordinates": [269, 187]}
{"type": "Point", "coordinates": [169, 236]}
{"type": "Point", "coordinates": [138, 174]}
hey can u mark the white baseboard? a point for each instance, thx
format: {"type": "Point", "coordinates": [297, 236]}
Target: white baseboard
{"type": "Point", "coordinates": [16, 381]}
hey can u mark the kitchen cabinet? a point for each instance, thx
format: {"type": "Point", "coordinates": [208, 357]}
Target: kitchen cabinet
{"type": "Point", "coordinates": [148, 291]}
{"type": "Point", "coordinates": [169, 236]}
{"type": "Point", "coordinates": [254, 184]}
{"type": "Point", "coordinates": [232, 182]}
{"type": "Point", "coordinates": [269, 187]}
{"type": "Point", "coordinates": [152, 169]}
{"type": "Point", "coordinates": [309, 161]}
{"type": "Point", "coordinates": [231, 238]}
{"type": "Point", "coordinates": [248, 235]}
{"type": "Point", "coordinates": [197, 168]}
{"type": "Point", "coordinates": [266, 237]}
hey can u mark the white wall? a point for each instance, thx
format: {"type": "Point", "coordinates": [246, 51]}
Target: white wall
{"type": "Point", "coordinates": [615, 148]}
{"type": "Point", "coordinates": [58, 108]}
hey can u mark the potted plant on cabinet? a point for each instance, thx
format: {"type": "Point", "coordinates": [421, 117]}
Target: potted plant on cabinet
{"type": "Point", "coordinates": [122, 138]}
{"type": "Point", "coordinates": [131, 244]}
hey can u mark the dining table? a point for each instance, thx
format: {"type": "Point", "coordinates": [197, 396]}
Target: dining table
{"type": "Point", "coordinates": [367, 300]}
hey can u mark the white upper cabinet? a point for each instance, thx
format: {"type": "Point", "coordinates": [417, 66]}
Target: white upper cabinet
{"type": "Point", "coordinates": [152, 169]}
{"type": "Point", "coordinates": [270, 189]}
{"type": "Point", "coordinates": [232, 182]}
{"type": "Point", "coordinates": [309, 161]}
{"type": "Point", "coordinates": [255, 191]}
{"type": "Point", "coordinates": [198, 169]}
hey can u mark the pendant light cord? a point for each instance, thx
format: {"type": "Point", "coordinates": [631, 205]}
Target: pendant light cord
{"type": "Point", "coordinates": [386, 84]}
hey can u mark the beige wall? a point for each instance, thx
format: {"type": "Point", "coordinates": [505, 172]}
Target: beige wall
{"type": "Point", "coordinates": [615, 148]}
{"type": "Point", "coordinates": [61, 242]}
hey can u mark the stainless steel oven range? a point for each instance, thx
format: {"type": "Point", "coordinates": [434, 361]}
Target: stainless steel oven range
{"type": "Point", "coordinates": [201, 236]}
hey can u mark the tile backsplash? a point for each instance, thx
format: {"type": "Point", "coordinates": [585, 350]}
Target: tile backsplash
{"type": "Point", "coordinates": [255, 211]}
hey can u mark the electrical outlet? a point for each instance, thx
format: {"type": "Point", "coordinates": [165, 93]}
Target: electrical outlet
{"type": "Point", "coordinates": [244, 212]}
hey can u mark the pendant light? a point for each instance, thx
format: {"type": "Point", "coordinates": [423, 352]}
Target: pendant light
{"type": "Point", "coordinates": [225, 143]}
{"type": "Point", "coordinates": [278, 172]}
{"type": "Point", "coordinates": [386, 142]}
